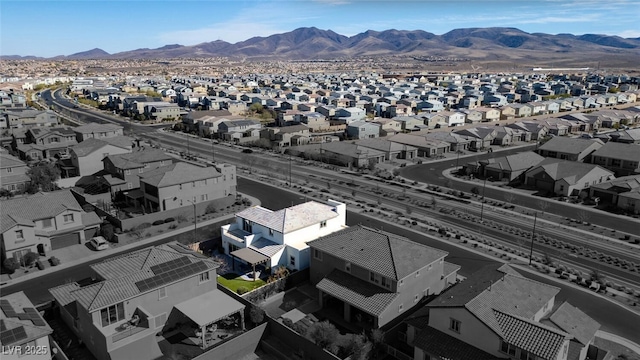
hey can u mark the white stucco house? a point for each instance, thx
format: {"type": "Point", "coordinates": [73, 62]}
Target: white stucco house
{"type": "Point", "coordinates": [279, 238]}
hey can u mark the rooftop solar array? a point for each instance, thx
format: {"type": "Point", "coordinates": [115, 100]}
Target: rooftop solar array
{"type": "Point", "coordinates": [171, 264]}
{"type": "Point", "coordinates": [35, 317]}
{"type": "Point", "coordinates": [7, 308]}
{"type": "Point", "coordinates": [3, 327]}
{"type": "Point", "coordinates": [171, 276]}
{"type": "Point", "coordinates": [9, 337]}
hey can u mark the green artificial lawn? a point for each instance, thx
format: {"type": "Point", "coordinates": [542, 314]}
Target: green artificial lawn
{"type": "Point", "coordinates": [233, 282]}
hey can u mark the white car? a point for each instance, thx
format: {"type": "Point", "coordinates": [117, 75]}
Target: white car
{"type": "Point", "coordinates": [99, 243]}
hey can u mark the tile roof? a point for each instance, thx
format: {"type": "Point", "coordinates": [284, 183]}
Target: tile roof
{"type": "Point", "coordinates": [385, 253]}
{"type": "Point", "coordinates": [570, 171]}
{"type": "Point", "coordinates": [88, 146]}
{"type": "Point", "coordinates": [178, 173]}
{"type": "Point", "coordinates": [575, 322]}
{"type": "Point", "coordinates": [24, 315]}
{"type": "Point", "coordinates": [570, 145]}
{"type": "Point", "coordinates": [291, 218]}
{"type": "Point", "coordinates": [137, 159]}
{"type": "Point", "coordinates": [266, 247]}
{"type": "Point", "coordinates": [620, 151]}
{"type": "Point", "coordinates": [520, 161]}
{"type": "Point", "coordinates": [443, 346]}
{"type": "Point", "coordinates": [384, 145]}
{"type": "Point", "coordinates": [534, 337]}
{"type": "Point", "coordinates": [120, 275]}
{"type": "Point", "coordinates": [35, 207]}
{"type": "Point", "coordinates": [10, 161]}
{"type": "Point", "coordinates": [359, 293]}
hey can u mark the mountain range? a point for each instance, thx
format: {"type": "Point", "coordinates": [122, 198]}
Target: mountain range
{"type": "Point", "coordinates": [495, 43]}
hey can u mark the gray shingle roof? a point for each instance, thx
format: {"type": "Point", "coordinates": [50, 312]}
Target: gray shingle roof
{"type": "Point", "coordinates": [520, 161]}
{"type": "Point", "coordinates": [570, 171]}
{"type": "Point", "coordinates": [359, 293]}
{"type": "Point", "coordinates": [385, 253]}
{"type": "Point", "coordinates": [137, 159]}
{"type": "Point", "coordinates": [570, 145]}
{"type": "Point", "coordinates": [620, 151]}
{"type": "Point", "coordinates": [575, 322]}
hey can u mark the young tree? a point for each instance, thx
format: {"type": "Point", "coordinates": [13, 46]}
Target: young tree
{"type": "Point", "coordinates": [358, 346]}
{"type": "Point", "coordinates": [323, 333]}
{"type": "Point", "coordinates": [43, 177]}
{"type": "Point", "coordinates": [256, 314]}
{"type": "Point", "coordinates": [475, 190]}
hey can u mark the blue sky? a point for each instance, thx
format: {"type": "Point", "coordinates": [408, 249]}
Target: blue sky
{"type": "Point", "coordinates": [53, 27]}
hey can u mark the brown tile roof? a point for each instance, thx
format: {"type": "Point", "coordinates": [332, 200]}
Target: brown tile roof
{"type": "Point", "coordinates": [359, 293]}
{"type": "Point", "coordinates": [137, 159]}
{"type": "Point", "coordinates": [35, 207]}
{"type": "Point", "coordinates": [385, 253]}
{"type": "Point", "coordinates": [178, 173]}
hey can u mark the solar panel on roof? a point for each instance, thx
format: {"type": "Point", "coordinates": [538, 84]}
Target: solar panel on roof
{"type": "Point", "coordinates": [171, 264]}
{"type": "Point", "coordinates": [7, 308]}
{"type": "Point", "coordinates": [35, 317]}
{"type": "Point", "coordinates": [11, 336]}
{"type": "Point", "coordinates": [171, 276]}
{"type": "Point", "coordinates": [3, 327]}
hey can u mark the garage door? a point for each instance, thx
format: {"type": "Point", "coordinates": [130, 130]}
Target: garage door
{"type": "Point", "coordinates": [89, 233]}
{"type": "Point", "coordinates": [63, 241]}
{"type": "Point", "coordinates": [544, 185]}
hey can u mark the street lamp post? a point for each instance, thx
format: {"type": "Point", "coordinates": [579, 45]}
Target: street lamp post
{"type": "Point", "coordinates": [482, 201]}
{"type": "Point", "coordinates": [195, 221]}
{"type": "Point", "coordinates": [533, 236]}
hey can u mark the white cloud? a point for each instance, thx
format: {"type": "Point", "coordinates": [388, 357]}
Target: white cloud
{"type": "Point", "coordinates": [629, 34]}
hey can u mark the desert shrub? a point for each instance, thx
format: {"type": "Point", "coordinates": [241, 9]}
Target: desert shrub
{"type": "Point", "coordinates": [181, 218]}
{"type": "Point", "coordinates": [288, 322]}
{"type": "Point", "coordinates": [143, 226]}
{"type": "Point", "coordinates": [39, 265]}
{"type": "Point", "coordinates": [168, 220]}
{"type": "Point", "coordinates": [289, 305]}
{"type": "Point", "coordinates": [158, 222]}
{"type": "Point", "coordinates": [211, 208]}
{"type": "Point", "coordinates": [173, 226]}
{"type": "Point", "coordinates": [30, 258]}
{"type": "Point", "coordinates": [11, 265]}
{"type": "Point", "coordinates": [242, 290]}
{"type": "Point", "coordinates": [256, 314]}
{"type": "Point", "coordinates": [107, 232]}
{"type": "Point", "coordinates": [54, 261]}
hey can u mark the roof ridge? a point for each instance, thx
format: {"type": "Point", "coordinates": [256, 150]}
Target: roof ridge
{"type": "Point", "coordinates": [393, 262]}
{"type": "Point", "coordinates": [98, 284]}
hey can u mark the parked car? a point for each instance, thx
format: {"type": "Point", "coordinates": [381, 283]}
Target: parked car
{"type": "Point", "coordinates": [99, 243]}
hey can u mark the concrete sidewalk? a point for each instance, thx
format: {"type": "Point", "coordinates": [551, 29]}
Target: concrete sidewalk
{"type": "Point", "coordinates": [81, 253]}
{"type": "Point", "coordinates": [619, 340]}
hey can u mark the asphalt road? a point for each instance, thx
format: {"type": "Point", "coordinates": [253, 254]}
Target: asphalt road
{"type": "Point", "coordinates": [431, 173]}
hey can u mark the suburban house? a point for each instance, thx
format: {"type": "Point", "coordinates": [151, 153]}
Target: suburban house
{"type": "Point", "coordinates": [481, 137]}
{"type": "Point", "coordinates": [372, 276]}
{"type": "Point", "coordinates": [573, 149]}
{"type": "Point", "coordinates": [166, 289]}
{"type": "Point", "coordinates": [279, 238]}
{"type": "Point", "coordinates": [46, 142]}
{"type": "Point", "coordinates": [392, 150]}
{"type": "Point", "coordinates": [180, 184]}
{"type": "Point", "coordinates": [86, 157]}
{"type": "Point", "coordinates": [122, 171]}
{"type": "Point", "coordinates": [623, 159]}
{"type": "Point", "coordinates": [363, 130]}
{"type": "Point", "coordinates": [97, 131]}
{"type": "Point", "coordinates": [29, 118]}
{"type": "Point", "coordinates": [13, 173]}
{"type": "Point", "coordinates": [565, 178]}
{"type": "Point", "coordinates": [537, 130]}
{"type": "Point", "coordinates": [237, 126]}
{"type": "Point", "coordinates": [285, 136]}
{"type": "Point", "coordinates": [388, 126]}
{"type": "Point", "coordinates": [509, 168]}
{"type": "Point", "coordinates": [162, 111]}
{"type": "Point", "coordinates": [25, 334]}
{"type": "Point", "coordinates": [426, 147]}
{"type": "Point", "coordinates": [496, 313]}
{"type": "Point", "coordinates": [628, 136]}
{"type": "Point", "coordinates": [43, 222]}
{"type": "Point", "coordinates": [619, 192]}
{"type": "Point", "coordinates": [347, 153]}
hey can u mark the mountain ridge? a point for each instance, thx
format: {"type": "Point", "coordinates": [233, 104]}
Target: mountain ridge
{"type": "Point", "coordinates": [309, 43]}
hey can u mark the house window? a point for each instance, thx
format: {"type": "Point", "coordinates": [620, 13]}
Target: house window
{"type": "Point", "coordinates": [9, 170]}
{"type": "Point", "coordinates": [292, 260]}
{"type": "Point", "coordinates": [68, 218]}
{"type": "Point", "coordinates": [180, 186]}
{"type": "Point", "coordinates": [162, 292]}
{"type": "Point", "coordinates": [19, 236]}
{"type": "Point", "coordinates": [400, 308]}
{"type": "Point", "coordinates": [373, 277]}
{"type": "Point", "coordinates": [417, 273]}
{"type": "Point", "coordinates": [508, 349]}
{"type": "Point", "coordinates": [416, 298]}
{"type": "Point", "coordinates": [270, 232]}
{"type": "Point", "coordinates": [46, 223]}
{"type": "Point", "coordinates": [454, 325]}
{"type": "Point", "coordinates": [426, 292]}
{"type": "Point", "coordinates": [430, 266]}
{"type": "Point", "coordinates": [112, 314]}
{"type": "Point", "coordinates": [193, 184]}
{"type": "Point", "coordinates": [204, 277]}
{"type": "Point", "coordinates": [140, 170]}
{"type": "Point", "coordinates": [317, 254]}
{"type": "Point", "coordinates": [203, 197]}
{"type": "Point", "coordinates": [323, 224]}
{"type": "Point", "coordinates": [129, 186]}
{"type": "Point", "coordinates": [347, 267]}
{"type": "Point", "coordinates": [127, 172]}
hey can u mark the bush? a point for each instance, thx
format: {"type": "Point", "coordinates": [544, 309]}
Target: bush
{"type": "Point", "coordinates": [30, 258]}
{"type": "Point", "coordinates": [107, 232]}
{"type": "Point", "coordinates": [288, 322]}
{"type": "Point", "coordinates": [242, 290]}
{"type": "Point", "coordinates": [168, 220]}
{"type": "Point", "coordinates": [173, 226]}
{"type": "Point", "coordinates": [11, 265]}
{"type": "Point", "coordinates": [143, 226]}
{"type": "Point", "coordinates": [54, 261]}
{"type": "Point", "coordinates": [211, 209]}
{"type": "Point", "coordinates": [158, 222]}
{"type": "Point", "coordinates": [39, 265]}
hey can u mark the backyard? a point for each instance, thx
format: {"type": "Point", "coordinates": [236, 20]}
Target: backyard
{"type": "Point", "coordinates": [233, 282]}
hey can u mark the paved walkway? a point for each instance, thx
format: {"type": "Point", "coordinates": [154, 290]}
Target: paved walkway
{"type": "Point", "coordinates": [81, 253]}
{"type": "Point", "coordinates": [633, 346]}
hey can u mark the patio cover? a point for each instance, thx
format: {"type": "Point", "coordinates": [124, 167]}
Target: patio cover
{"type": "Point", "coordinates": [250, 256]}
{"type": "Point", "coordinates": [209, 307]}
{"type": "Point", "coordinates": [135, 194]}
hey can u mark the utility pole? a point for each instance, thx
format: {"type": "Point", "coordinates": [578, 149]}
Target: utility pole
{"type": "Point", "coordinates": [533, 236]}
{"type": "Point", "coordinates": [484, 186]}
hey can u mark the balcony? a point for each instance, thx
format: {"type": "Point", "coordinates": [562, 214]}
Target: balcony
{"type": "Point", "coordinates": [131, 327]}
